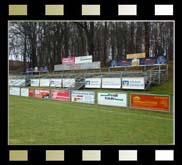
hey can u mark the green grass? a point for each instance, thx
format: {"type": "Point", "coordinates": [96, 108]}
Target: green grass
{"type": "Point", "coordinates": [40, 121]}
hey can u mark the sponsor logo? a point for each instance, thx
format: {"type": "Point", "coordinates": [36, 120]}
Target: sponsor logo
{"type": "Point", "coordinates": [52, 82]}
{"type": "Point", "coordinates": [136, 98]}
{"type": "Point", "coordinates": [125, 82]}
{"type": "Point", "coordinates": [87, 82]}
{"type": "Point", "coordinates": [135, 83]}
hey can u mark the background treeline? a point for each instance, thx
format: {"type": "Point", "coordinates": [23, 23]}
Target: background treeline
{"type": "Point", "coordinates": [46, 43]}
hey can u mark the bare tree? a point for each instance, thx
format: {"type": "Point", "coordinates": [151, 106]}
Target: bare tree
{"type": "Point", "coordinates": [46, 43]}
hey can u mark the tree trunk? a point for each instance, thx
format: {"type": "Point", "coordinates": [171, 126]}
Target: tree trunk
{"type": "Point", "coordinates": [66, 40]}
{"type": "Point", "coordinates": [104, 59]}
{"type": "Point", "coordinates": [147, 36]}
{"type": "Point", "coordinates": [25, 52]}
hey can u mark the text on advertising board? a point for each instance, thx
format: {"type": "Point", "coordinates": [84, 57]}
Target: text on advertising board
{"type": "Point", "coordinates": [83, 97]}
{"type": "Point", "coordinates": [41, 93]}
{"type": "Point", "coordinates": [14, 91]}
{"type": "Point", "coordinates": [111, 83]}
{"type": "Point", "coordinates": [93, 83]}
{"type": "Point", "coordinates": [55, 82]}
{"type": "Point", "coordinates": [25, 92]}
{"type": "Point", "coordinates": [133, 83]}
{"type": "Point", "coordinates": [113, 99]}
{"type": "Point", "coordinates": [62, 95]}
{"type": "Point", "coordinates": [150, 102]}
{"type": "Point", "coordinates": [69, 60]}
{"type": "Point", "coordinates": [34, 82]}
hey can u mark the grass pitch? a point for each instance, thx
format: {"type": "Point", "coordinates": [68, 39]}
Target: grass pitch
{"type": "Point", "coordinates": [44, 122]}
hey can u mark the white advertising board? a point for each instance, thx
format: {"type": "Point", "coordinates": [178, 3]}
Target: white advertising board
{"type": "Point", "coordinates": [68, 82]}
{"type": "Point", "coordinates": [93, 83]}
{"type": "Point", "coordinates": [62, 67]}
{"type": "Point", "coordinates": [11, 82]}
{"type": "Point", "coordinates": [44, 82]}
{"type": "Point", "coordinates": [83, 59]}
{"type": "Point", "coordinates": [55, 82]}
{"type": "Point", "coordinates": [83, 97]}
{"type": "Point", "coordinates": [25, 92]}
{"type": "Point", "coordinates": [14, 91]}
{"type": "Point", "coordinates": [133, 83]}
{"type": "Point", "coordinates": [111, 83]}
{"type": "Point", "coordinates": [17, 82]}
{"type": "Point", "coordinates": [113, 99]}
{"type": "Point", "coordinates": [34, 82]}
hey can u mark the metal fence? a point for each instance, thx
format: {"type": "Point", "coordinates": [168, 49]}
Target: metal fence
{"type": "Point", "coordinates": [154, 75]}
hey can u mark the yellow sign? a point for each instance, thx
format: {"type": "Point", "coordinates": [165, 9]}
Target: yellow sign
{"type": "Point", "coordinates": [136, 55]}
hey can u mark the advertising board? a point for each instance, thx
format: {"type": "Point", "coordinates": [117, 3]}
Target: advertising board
{"type": "Point", "coordinates": [150, 102]}
{"type": "Point", "coordinates": [113, 83]}
{"type": "Point", "coordinates": [17, 82]}
{"type": "Point", "coordinates": [93, 65]}
{"type": "Point", "coordinates": [83, 59]}
{"type": "Point", "coordinates": [42, 93]}
{"type": "Point", "coordinates": [136, 55]}
{"type": "Point", "coordinates": [11, 82]}
{"type": "Point", "coordinates": [31, 92]}
{"type": "Point", "coordinates": [14, 91]}
{"type": "Point", "coordinates": [25, 92]}
{"type": "Point", "coordinates": [69, 60]}
{"type": "Point", "coordinates": [44, 82]}
{"type": "Point", "coordinates": [112, 99]}
{"type": "Point", "coordinates": [68, 83]}
{"type": "Point", "coordinates": [148, 61]}
{"type": "Point", "coordinates": [125, 62]}
{"type": "Point", "coordinates": [61, 95]}
{"type": "Point", "coordinates": [93, 83]}
{"type": "Point", "coordinates": [133, 83]}
{"type": "Point", "coordinates": [83, 97]}
{"type": "Point", "coordinates": [34, 82]}
{"type": "Point", "coordinates": [62, 67]}
{"type": "Point", "coordinates": [55, 82]}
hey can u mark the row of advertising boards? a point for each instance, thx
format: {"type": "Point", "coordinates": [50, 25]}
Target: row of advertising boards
{"type": "Point", "coordinates": [17, 82]}
{"type": "Point", "coordinates": [116, 83]}
{"type": "Point", "coordinates": [77, 60]}
{"type": "Point", "coordinates": [112, 83]}
{"type": "Point", "coordinates": [139, 61]}
{"type": "Point", "coordinates": [137, 101]}
{"type": "Point", "coordinates": [77, 63]}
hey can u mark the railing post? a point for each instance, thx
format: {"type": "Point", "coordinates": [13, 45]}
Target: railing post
{"type": "Point", "coordinates": [121, 79]}
{"type": "Point", "coordinates": [167, 72]}
{"type": "Point", "coordinates": [150, 75]}
{"type": "Point", "coordinates": [159, 75]}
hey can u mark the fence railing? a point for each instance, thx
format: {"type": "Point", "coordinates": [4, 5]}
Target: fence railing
{"type": "Point", "coordinates": [153, 75]}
